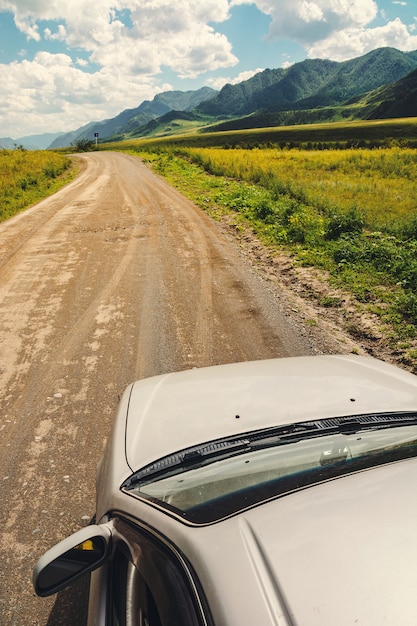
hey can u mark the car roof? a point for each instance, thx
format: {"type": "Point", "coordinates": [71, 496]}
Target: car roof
{"type": "Point", "coordinates": [172, 412]}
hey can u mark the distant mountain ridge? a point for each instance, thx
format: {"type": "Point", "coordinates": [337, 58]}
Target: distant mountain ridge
{"type": "Point", "coordinates": [395, 100]}
{"type": "Point", "coordinates": [127, 121]}
{"type": "Point", "coordinates": [7, 143]}
{"type": "Point", "coordinates": [31, 142]}
{"type": "Point", "coordinates": [311, 83]}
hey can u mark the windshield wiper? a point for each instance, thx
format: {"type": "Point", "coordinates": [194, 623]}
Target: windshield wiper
{"type": "Point", "coordinates": [328, 426]}
{"type": "Point", "coordinates": [203, 454]}
{"type": "Point", "coordinates": [191, 457]}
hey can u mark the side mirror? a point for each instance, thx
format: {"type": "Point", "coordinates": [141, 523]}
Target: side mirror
{"type": "Point", "coordinates": [82, 552]}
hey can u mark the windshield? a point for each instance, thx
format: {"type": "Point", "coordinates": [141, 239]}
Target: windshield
{"type": "Point", "coordinates": [207, 483]}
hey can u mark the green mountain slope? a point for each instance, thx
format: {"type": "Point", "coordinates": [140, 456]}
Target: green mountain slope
{"type": "Point", "coordinates": [173, 122]}
{"type": "Point", "coordinates": [392, 101]}
{"type": "Point", "coordinates": [366, 73]}
{"type": "Point", "coordinates": [234, 99]}
{"type": "Point", "coordinates": [397, 100]}
{"type": "Point", "coordinates": [310, 84]}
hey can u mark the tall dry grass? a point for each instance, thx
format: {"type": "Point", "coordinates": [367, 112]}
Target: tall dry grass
{"type": "Point", "coordinates": [381, 184]}
{"type": "Point", "coordinates": [28, 176]}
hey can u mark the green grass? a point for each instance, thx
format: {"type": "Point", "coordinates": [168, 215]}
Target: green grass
{"type": "Point", "coordinates": [28, 176]}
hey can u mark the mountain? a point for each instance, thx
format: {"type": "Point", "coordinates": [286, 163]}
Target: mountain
{"type": "Point", "coordinates": [170, 123]}
{"type": "Point", "coordinates": [235, 99]}
{"type": "Point", "coordinates": [363, 74]}
{"type": "Point", "coordinates": [38, 142]}
{"type": "Point", "coordinates": [311, 83]}
{"type": "Point", "coordinates": [396, 100]}
{"type": "Point", "coordinates": [129, 120]}
{"type": "Point", "coordinates": [30, 142]}
{"type": "Point", "coordinates": [7, 143]}
{"type": "Point", "coordinates": [67, 139]}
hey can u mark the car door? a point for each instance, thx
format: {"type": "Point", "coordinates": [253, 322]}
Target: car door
{"type": "Point", "coordinates": [150, 584]}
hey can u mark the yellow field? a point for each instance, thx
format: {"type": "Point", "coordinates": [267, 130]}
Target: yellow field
{"type": "Point", "coordinates": [28, 176]}
{"type": "Point", "coordinates": [382, 184]}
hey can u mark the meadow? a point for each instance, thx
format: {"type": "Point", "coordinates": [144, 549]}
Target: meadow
{"type": "Point", "coordinates": [28, 176]}
{"type": "Point", "coordinates": [381, 183]}
{"type": "Point", "coordinates": [350, 212]}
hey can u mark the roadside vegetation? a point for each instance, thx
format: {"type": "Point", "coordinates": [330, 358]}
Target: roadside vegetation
{"type": "Point", "coordinates": [349, 212]}
{"type": "Point", "coordinates": [28, 176]}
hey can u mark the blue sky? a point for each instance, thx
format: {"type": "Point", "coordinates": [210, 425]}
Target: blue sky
{"type": "Point", "coordinates": [64, 64]}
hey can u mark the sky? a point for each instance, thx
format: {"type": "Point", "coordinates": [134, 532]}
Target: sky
{"type": "Point", "coordinates": [65, 63]}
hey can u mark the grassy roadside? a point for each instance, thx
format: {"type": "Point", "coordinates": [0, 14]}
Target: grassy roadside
{"type": "Point", "coordinates": [26, 177]}
{"type": "Point", "coordinates": [368, 249]}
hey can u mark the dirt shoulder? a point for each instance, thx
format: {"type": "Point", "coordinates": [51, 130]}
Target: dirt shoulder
{"type": "Point", "coordinates": [341, 317]}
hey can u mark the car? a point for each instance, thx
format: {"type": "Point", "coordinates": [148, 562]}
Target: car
{"type": "Point", "coordinates": [271, 492]}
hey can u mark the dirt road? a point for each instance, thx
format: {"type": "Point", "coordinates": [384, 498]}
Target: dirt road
{"type": "Point", "coordinates": [115, 278]}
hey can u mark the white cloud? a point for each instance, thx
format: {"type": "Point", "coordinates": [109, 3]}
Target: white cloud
{"type": "Point", "coordinates": [58, 36]}
{"type": "Point", "coordinates": [334, 29]}
{"type": "Point", "coordinates": [82, 62]}
{"type": "Point", "coordinates": [50, 94]}
{"type": "Point", "coordinates": [176, 35]}
{"type": "Point", "coordinates": [309, 21]}
{"type": "Point", "coordinates": [311, 12]}
{"type": "Point", "coordinates": [355, 42]}
{"type": "Point", "coordinates": [128, 43]}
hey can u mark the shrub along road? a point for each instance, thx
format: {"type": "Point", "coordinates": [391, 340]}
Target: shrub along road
{"type": "Point", "coordinates": [114, 278]}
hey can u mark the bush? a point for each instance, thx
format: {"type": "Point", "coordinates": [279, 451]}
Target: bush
{"type": "Point", "coordinates": [347, 250]}
{"type": "Point", "coordinates": [344, 222]}
{"type": "Point", "coordinates": [84, 145]}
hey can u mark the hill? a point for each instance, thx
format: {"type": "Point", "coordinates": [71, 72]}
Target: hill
{"type": "Point", "coordinates": [131, 119]}
{"type": "Point", "coordinates": [313, 91]}
{"type": "Point", "coordinates": [367, 73]}
{"type": "Point", "coordinates": [395, 100]}
{"type": "Point", "coordinates": [171, 123]}
{"type": "Point", "coordinates": [310, 84]}
{"type": "Point", "coordinates": [392, 101]}
{"type": "Point", "coordinates": [7, 143]}
{"type": "Point", "coordinates": [38, 142]}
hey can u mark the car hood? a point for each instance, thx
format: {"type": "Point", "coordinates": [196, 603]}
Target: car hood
{"type": "Point", "coordinates": [175, 411]}
{"type": "Point", "coordinates": [340, 553]}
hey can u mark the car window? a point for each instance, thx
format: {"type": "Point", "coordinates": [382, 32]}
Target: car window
{"type": "Point", "coordinates": [148, 585]}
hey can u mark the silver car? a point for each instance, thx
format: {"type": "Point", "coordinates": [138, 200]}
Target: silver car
{"type": "Point", "coordinates": [274, 492]}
